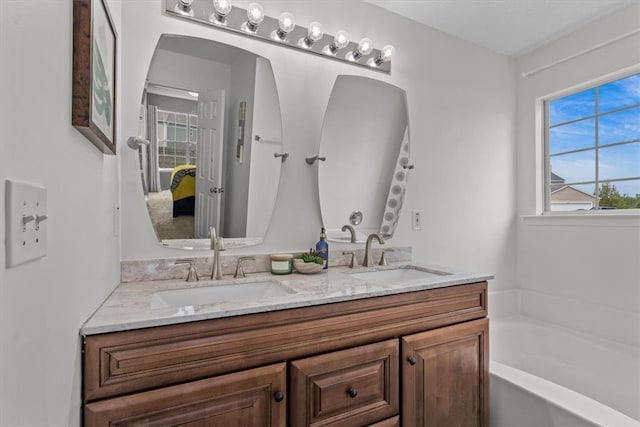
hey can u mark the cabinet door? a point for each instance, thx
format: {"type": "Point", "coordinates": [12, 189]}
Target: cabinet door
{"type": "Point", "coordinates": [445, 376]}
{"type": "Point", "coordinates": [248, 398]}
{"type": "Point", "coordinates": [352, 387]}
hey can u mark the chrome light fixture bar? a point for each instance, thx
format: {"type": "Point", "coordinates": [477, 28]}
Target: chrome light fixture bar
{"type": "Point", "coordinates": [282, 31]}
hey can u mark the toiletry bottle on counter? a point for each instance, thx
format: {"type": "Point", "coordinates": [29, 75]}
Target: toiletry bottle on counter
{"type": "Point", "coordinates": [323, 248]}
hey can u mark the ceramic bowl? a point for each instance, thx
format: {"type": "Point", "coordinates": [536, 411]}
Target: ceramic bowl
{"type": "Point", "coordinates": [306, 267]}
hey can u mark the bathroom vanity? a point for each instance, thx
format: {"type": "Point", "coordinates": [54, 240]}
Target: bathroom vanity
{"type": "Point", "coordinates": [336, 349]}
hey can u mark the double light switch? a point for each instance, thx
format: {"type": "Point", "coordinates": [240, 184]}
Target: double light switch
{"type": "Point", "coordinates": [26, 222]}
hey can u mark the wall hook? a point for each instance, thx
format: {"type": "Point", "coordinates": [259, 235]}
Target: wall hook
{"type": "Point", "coordinates": [266, 141]}
{"type": "Point", "coordinates": [283, 156]}
{"type": "Point", "coordinates": [135, 142]}
{"type": "Point", "coordinates": [312, 159]}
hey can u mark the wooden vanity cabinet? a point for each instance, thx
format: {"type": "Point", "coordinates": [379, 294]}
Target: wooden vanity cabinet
{"type": "Point", "coordinates": [417, 358]}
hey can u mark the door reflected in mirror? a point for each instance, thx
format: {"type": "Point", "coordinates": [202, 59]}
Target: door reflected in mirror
{"type": "Point", "coordinates": [365, 139]}
{"type": "Point", "coordinates": [212, 116]}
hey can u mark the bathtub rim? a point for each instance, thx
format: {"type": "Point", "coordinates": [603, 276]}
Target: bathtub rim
{"type": "Point", "coordinates": [571, 401]}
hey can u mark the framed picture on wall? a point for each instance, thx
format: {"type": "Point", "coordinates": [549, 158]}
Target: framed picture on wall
{"type": "Point", "coordinates": [94, 73]}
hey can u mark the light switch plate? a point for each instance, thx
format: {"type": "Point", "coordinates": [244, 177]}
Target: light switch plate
{"type": "Point", "coordinates": [26, 222]}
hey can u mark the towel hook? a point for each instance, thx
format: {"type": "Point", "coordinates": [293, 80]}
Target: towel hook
{"type": "Point", "coordinates": [312, 159]}
{"type": "Point", "coordinates": [135, 142]}
{"type": "Point", "coordinates": [267, 141]}
{"type": "Point", "coordinates": [283, 156]}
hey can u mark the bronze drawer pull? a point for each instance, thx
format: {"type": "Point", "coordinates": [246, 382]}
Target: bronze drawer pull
{"type": "Point", "coordinates": [412, 360]}
{"type": "Point", "coordinates": [278, 396]}
{"type": "Point", "coordinates": [353, 392]}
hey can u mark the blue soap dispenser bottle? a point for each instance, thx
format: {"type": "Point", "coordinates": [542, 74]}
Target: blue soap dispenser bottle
{"type": "Point", "coordinates": [323, 248]}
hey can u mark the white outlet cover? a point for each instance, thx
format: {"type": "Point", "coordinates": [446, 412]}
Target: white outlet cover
{"type": "Point", "coordinates": [25, 241]}
{"type": "Point", "coordinates": [416, 220]}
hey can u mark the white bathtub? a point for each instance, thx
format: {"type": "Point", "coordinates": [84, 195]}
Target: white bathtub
{"type": "Point", "coordinates": [549, 376]}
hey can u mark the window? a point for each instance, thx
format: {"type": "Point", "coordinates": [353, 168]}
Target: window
{"type": "Point", "coordinates": [177, 136]}
{"type": "Point", "coordinates": [593, 148]}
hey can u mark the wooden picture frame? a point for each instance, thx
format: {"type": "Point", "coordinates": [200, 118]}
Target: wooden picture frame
{"type": "Point", "coordinates": [93, 110]}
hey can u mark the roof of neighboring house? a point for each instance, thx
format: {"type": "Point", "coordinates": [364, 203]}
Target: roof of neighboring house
{"type": "Point", "coordinates": [567, 193]}
{"type": "Point", "coordinates": [556, 182]}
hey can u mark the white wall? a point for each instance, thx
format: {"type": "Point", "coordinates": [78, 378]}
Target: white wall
{"type": "Point", "coordinates": [187, 72]}
{"type": "Point", "coordinates": [577, 272]}
{"type": "Point", "coordinates": [461, 114]}
{"type": "Point", "coordinates": [43, 303]}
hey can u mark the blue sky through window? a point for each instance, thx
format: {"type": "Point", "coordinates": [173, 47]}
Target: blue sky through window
{"type": "Point", "coordinates": [620, 126]}
{"type": "Point", "coordinates": [572, 136]}
{"type": "Point", "coordinates": [620, 93]}
{"type": "Point", "coordinates": [572, 107]}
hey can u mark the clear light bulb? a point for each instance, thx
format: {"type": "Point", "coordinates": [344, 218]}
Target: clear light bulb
{"type": "Point", "coordinates": [255, 15]}
{"type": "Point", "coordinates": [184, 7]}
{"type": "Point", "coordinates": [286, 22]}
{"type": "Point", "coordinates": [222, 7]}
{"type": "Point", "coordinates": [387, 52]}
{"type": "Point", "coordinates": [365, 46]}
{"type": "Point", "coordinates": [341, 39]}
{"type": "Point", "coordinates": [314, 32]}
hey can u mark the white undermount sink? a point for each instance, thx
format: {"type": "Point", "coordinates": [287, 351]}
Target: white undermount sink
{"type": "Point", "coordinates": [401, 274]}
{"type": "Point", "coordinates": [216, 293]}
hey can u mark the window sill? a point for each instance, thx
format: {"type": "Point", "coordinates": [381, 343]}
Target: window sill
{"type": "Point", "coordinates": [630, 219]}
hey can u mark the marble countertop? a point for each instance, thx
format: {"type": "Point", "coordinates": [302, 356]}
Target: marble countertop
{"type": "Point", "coordinates": [132, 305]}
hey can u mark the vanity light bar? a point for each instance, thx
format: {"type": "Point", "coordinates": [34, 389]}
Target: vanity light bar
{"type": "Point", "coordinates": [274, 30]}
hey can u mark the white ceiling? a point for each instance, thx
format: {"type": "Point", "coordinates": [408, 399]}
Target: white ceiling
{"type": "Point", "coordinates": [509, 27]}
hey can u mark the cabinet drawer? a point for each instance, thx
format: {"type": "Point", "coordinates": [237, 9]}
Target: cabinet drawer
{"type": "Point", "coordinates": [352, 387]}
{"type": "Point", "coordinates": [254, 397]}
{"type": "Point", "coordinates": [389, 422]}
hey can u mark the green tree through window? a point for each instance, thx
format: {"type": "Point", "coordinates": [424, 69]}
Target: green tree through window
{"type": "Point", "coordinates": [610, 197]}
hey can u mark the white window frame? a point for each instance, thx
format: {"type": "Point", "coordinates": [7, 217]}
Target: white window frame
{"type": "Point", "coordinates": [542, 108]}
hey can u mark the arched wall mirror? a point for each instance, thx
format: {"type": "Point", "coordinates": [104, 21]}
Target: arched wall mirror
{"type": "Point", "coordinates": [212, 116]}
{"type": "Point", "coordinates": [365, 141]}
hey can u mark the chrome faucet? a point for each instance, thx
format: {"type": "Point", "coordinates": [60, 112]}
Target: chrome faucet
{"type": "Point", "coordinates": [192, 276]}
{"type": "Point", "coordinates": [354, 260]}
{"type": "Point", "coordinates": [217, 244]}
{"type": "Point", "coordinates": [367, 248]}
{"type": "Point", "coordinates": [383, 258]}
{"type": "Point", "coordinates": [351, 230]}
{"type": "Point", "coordinates": [239, 270]}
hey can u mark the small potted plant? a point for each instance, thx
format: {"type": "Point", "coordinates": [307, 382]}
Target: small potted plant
{"type": "Point", "coordinates": [308, 262]}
